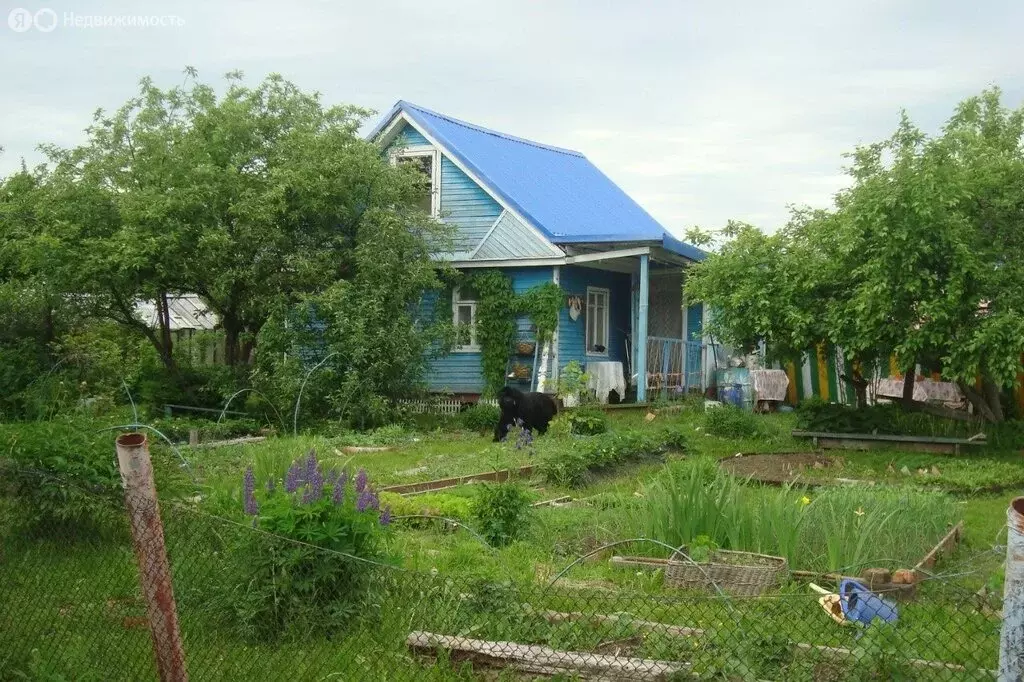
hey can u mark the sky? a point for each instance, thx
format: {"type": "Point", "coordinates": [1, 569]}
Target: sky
{"type": "Point", "coordinates": [702, 111]}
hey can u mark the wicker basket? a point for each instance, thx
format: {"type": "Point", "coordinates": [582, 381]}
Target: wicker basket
{"type": "Point", "coordinates": [526, 347]}
{"type": "Point", "coordinates": [521, 372]}
{"type": "Point", "coordinates": [741, 574]}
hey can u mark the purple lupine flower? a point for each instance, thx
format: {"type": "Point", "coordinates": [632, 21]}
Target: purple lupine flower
{"type": "Point", "coordinates": [385, 516]}
{"type": "Point", "coordinates": [374, 500]}
{"type": "Point", "coordinates": [311, 465]}
{"type": "Point", "coordinates": [332, 474]}
{"type": "Point", "coordinates": [338, 496]}
{"type": "Point", "coordinates": [364, 500]}
{"type": "Point", "coordinates": [316, 485]}
{"type": "Point", "coordinates": [361, 481]}
{"type": "Point", "coordinates": [293, 479]}
{"type": "Point", "coordinates": [252, 507]}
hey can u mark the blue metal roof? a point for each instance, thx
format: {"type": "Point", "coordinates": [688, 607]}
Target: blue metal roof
{"type": "Point", "coordinates": [558, 190]}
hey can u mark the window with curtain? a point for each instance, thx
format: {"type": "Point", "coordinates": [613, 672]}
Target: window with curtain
{"type": "Point", "coordinates": [597, 321]}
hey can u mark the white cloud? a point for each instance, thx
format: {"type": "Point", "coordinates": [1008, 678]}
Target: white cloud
{"type": "Point", "coordinates": [703, 112]}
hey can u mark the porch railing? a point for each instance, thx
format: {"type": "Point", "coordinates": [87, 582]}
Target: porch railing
{"type": "Point", "coordinates": [673, 367]}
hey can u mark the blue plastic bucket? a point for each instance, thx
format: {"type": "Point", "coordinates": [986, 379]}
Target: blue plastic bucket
{"type": "Point", "coordinates": [862, 605]}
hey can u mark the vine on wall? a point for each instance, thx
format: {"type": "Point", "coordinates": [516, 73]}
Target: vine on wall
{"type": "Point", "coordinates": [497, 308]}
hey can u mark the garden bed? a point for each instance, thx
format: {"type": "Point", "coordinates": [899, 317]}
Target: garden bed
{"type": "Point", "coordinates": [781, 468]}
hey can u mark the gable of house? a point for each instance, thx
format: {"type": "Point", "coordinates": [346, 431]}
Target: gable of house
{"type": "Point", "coordinates": [483, 227]}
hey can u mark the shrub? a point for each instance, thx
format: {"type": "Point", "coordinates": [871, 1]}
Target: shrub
{"type": "Point", "coordinates": [731, 422]}
{"type": "Point", "coordinates": [817, 415]}
{"type": "Point", "coordinates": [587, 422]}
{"type": "Point", "coordinates": [480, 417]}
{"type": "Point", "coordinates": [892, 418]}
{"type": "Point", "coordinates": [501, 512]}
{"type": "Point", "coordinates": [63, 474]}
{"type": "Point", "coordinates": [288, 587]}
{"type": "Point", "coordinates": [392, 434]}
{"type": "Point", "coordinates": [570, 463]}
{"type": "Point", "coordinates": [560, 427]}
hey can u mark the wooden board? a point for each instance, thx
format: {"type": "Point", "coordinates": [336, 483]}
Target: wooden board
{"type": "Point", "coordinates": [944, 546]}
{"type": "Point", "coordinates": [536, 658]}
{"type": "Point", "coordinates": [440, 483]}
{"type": "Point", "coordinates": [686, 632]}
{"type": "Point", "coordinates": [867, 441]}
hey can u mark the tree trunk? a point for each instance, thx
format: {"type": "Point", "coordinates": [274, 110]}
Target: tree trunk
{"type": "Point", "coordinates": [987, 402]}
{"type": "Point", "coordinates": [232, 350]}
{"type": "Point", "coordinates": [993, 399]}
{"type": "Point", "coordinates": [247, 348]}
{"type": "Point", "coordinates": [860, 387]}
{"type": "Point", "coordinates": [164, 322]}
{"type": "Point", "coordinates": [908, 385]}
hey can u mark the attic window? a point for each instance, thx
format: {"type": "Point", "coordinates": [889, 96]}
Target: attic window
{"type": "Point", "coordinates": [427, 162]}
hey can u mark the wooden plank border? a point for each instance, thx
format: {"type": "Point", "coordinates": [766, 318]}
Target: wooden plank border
{"type": "Point", "coordinates": [441, 483]}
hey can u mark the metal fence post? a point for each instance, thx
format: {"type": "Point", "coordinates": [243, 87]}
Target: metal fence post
{"type": "Point", "coordinates": [151, 553]}
{"type": "Point", "coordinates": [1011, 641]}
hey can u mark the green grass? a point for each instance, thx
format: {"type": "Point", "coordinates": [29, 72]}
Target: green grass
{"type": "Point", "coordinates": [57, 595]}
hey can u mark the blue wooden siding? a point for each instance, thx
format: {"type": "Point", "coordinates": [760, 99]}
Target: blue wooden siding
{"type": "Point", "coordinates": [454, 372]}
{"type": "Point", "coordinates": [467, 205]}
{"type": "Point", "coordinates": [460, 372]}
{"type": "Point", "coordinates": [410, 137]}
{"type": "Point", "coordinates": [572, 334]}
{"type": "Point", "coordinates": [463, 203]}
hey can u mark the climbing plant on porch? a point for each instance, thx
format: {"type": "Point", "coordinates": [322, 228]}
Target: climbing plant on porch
{"type": "Point", "coordinates": [497, 308]}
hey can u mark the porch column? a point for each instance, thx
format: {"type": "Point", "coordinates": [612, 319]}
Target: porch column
{"type": "Point", "coordinates": [641, 332]}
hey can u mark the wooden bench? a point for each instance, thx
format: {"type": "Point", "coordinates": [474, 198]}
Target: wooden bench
{"type": "Point", "coordinates": [867, 441]}
{"type": "Point", "coordinates": [170, 409]}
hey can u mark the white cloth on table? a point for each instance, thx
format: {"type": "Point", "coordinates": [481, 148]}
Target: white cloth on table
{"type": "Point", "coordinates": [925, 390]}
{"type": "Point", "coordinates": [604, 377]}
{"type": "Point", "coordinates": [769, 384]}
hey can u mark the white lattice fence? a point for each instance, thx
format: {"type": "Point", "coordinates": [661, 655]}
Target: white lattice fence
{"type": "Point", "coordinates": [444, 406]}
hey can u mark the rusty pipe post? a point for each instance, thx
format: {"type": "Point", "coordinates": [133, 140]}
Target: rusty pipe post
{"type": "Point", "coordinates": [151, 554]}
{"type": "Point", "coordinates": [1011, 640]}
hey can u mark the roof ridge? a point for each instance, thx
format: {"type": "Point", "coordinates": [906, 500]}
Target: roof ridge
{"type": "Point", "coordinates": [488, 131]}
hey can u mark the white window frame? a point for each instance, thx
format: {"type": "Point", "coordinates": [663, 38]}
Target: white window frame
{"type": "Point", "coordinates": [589, 343]}
{"type": "Point", "coordinates": [435, 172]}
{"type": "Point", "coordinates": [457, 302]}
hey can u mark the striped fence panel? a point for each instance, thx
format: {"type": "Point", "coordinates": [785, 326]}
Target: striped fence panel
{"type": "Point", "coordinates": [443, 406]}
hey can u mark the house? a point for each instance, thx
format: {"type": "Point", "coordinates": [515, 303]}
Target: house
{"type": "Point", "coordinates": [187, 317]}
{"type": "Point", "coordinates": [544, 214]}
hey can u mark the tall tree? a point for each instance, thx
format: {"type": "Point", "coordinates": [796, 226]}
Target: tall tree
{"type": "Point", "coordinates": [253, 200]}
{"type": "Point", "coordinates": [920, 258]}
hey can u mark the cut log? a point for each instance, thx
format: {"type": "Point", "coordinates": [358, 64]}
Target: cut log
{"type": "Point", "coordinates": [536, 658]}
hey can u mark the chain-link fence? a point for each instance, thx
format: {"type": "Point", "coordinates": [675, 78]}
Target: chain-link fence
{"type": "Point", "coordinates": [251, 604]}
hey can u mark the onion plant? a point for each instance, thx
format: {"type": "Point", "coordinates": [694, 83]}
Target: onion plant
{"type": "Point", "coordinates": [833, 529]}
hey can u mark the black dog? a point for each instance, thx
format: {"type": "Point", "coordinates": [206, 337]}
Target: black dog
{"type": "Point", "coordinates": [534, 409]}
